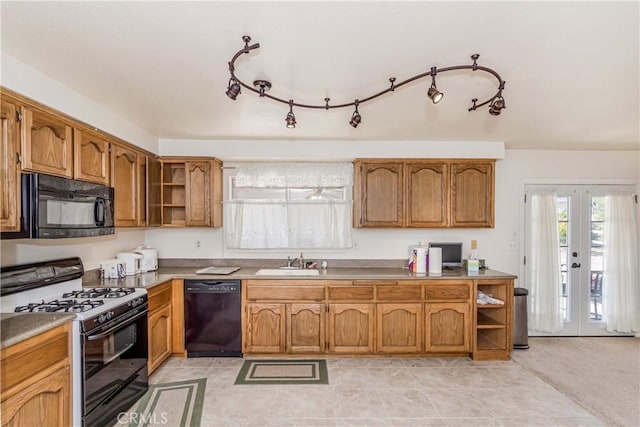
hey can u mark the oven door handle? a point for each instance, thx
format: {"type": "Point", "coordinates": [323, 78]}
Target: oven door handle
{"type": "Point", "coordinates": [116, 327]}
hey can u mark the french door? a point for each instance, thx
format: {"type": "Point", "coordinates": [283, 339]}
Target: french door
{"type": "Point", "coordinates": [580, 215]}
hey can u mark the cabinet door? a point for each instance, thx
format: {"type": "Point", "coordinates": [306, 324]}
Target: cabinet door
{"type": "Point", "coordinates": [399, 328]}
{"type": "Point", "coordinates": [143, 185]}
{"type": "Point", "coordinates": [44, 403]}
{"type": "Point", "coordinates": [47, 143]}
{"type": "Point", "coordinates": [91, 157]}
{"type": "Point", "coordinates": [427, 194]}
{"type": "Point", "coordinates": [305, 328]}
{"type": "Point", "coordinates": [265, 328]}
{"type": "Point", "coordinates": [379, 195]}
{"type": "Point", "coordinates": [351, 328]}
{"type": "Point", "coordinates": [10, 194]}
{"type": "Point", "coordinates": [124, 179]}
{"type": "Point", "coordinates": [472, 200]}
{"type": "Point", "coordinates": [159, 337]}
{"type": "Point", "coordinates": [198, 212]}
{"type": "Point", "coordinates": [447, 327]}
{"type": "Point", "coordinates": [154, 191]}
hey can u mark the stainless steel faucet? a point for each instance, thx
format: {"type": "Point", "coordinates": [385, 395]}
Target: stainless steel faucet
{"type": "Point", "coordinates": [290, 261]}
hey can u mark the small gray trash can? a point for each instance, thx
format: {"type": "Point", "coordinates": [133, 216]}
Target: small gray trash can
{"type": "Point", "coordinates": [520, 328]}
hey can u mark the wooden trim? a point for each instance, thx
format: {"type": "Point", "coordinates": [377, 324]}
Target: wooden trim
{"type": "Point", "coordinates": [177, 315]}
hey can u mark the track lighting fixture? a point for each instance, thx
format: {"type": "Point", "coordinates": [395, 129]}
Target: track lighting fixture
{"type": "Point", "coordinates": [496, 106]}
{"type": "Point", "coordinates": [355, 118]}
{"type": "Point", "coordinates": [496, 102]}
{"type": "Point", "coordinates": [291, 118]}
{"type": "Point", "coordinates": [234, 89]}
{"type": "Point", "coordinates": [433, 92]}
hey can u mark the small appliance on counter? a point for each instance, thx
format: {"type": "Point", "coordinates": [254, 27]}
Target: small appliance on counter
{"type": "Point", "coordinates": [112, 269]}
{"type": "Point", "coordinates": [149, 261]}
{"type": "Point", "coordinates": [132, 262]}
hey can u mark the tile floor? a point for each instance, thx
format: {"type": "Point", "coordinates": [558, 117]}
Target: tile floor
{"type": "Point", "coordinates": [383, 392]}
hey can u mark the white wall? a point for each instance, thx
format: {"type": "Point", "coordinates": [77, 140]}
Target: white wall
{"type": "Point", "coordinates": [30, 82]}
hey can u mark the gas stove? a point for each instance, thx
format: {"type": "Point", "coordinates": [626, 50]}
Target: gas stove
{"type": "Point", "coordinates": [109, 333]}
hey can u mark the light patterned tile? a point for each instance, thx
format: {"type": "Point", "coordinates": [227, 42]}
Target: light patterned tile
{"type": "Point", "coordinates": [417, 422]}
{"type": "Point", "coordinates": [349, 377]}
{"type": "Point", "coordinates": [409, 403]}
{"type": "Point", "coordinates": [358, 403]}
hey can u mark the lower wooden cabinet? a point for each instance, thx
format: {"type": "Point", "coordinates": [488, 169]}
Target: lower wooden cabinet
{"type": "Point", "coordinates": [351, 328]}
{"type": "Point", "coordinates": [265, 331]}
{"type": "Point", "coordinates": [399, 328]}
{"type": "Point", "coordinates": [160, 325]}
{"type": "Point", "coordinates": [447, 327]}
{"type": "Point", "coordinates": [36, 380]}
{"type": "Point", "coordinates": [305, 328]}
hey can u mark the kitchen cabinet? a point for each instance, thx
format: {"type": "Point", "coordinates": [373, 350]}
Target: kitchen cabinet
{"type": "Point", "coordinates": [10, 194]}
{"type": "Point", "coordinates": [448, 316]}
{"type": "Point", "coordinates": [47, 143]}
{"type": "Point", "coordinates": [191, 194]}
{"type": "Point", "coordinates": [265, 331]}
{"type": "Point", "coordinates": [160, 336]}
{"type": "Point", "coordinates": [379, 195]}
{"type": "Point", "coordinates": [351, 328]}
{"type": "Point", "coordinates": [296, 324]}
{"type": "Point", "coordinates": [36, 380]}
{"type": "Point", "coordinates": [125, 179]}
{"type": "Point", "coordinates": [472, 200]}
{"type": "Point", "coordinates": [422, 193]}
{"type": "Point", "coordinates": [153, 191]}
{"type": "Point", "coordinates": [493, 334]}
{"type": "Point", "coordinates": [399, 327]}
{"type": "Point", "coordinates": [91, 156]}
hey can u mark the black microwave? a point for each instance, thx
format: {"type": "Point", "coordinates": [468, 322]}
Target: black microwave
{"type": "Point", "coordinates": [54, 207]}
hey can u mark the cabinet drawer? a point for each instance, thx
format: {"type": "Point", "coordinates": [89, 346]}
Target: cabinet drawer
{"type": "Point", "coordinates": [399, 293]}
{"type": "Point", "coordinates": [351, 293]}
{"type": "Point", "coordinates": [288, 293]}
{"type": "Point", "coordinates": [35, 355]}
{"type": "Point", "coordinates": [159, 296]}
{"type": "Point", "coordinates": [447, 292]}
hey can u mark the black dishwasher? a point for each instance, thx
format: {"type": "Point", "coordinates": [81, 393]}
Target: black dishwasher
{"type": "Point", "coordinates": [212, 311]}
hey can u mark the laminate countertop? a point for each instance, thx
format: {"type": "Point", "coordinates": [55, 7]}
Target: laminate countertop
{"type": "Point", "coordinates": [151, 279]}
{"type": "Point", "coordinates": [16, 327]}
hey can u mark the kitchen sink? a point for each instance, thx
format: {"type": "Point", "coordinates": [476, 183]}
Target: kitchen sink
{"type": "Point", "coordinates": [286, 272]}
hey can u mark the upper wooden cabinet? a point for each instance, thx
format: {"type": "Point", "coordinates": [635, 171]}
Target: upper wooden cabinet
{"type": "Point", "coordinates": [124, 180]}
{"type": "Point", "coordinates": [423, 193]}
{"type": "Point", "coordinates": [10, 194]}
{"type": "Point", "coordinates": [91, 156]}
{"type": "Point", "coordinates": [472, 200]}
{"type": "Point", "coordinates": [379, 195]}
{"type": "Point", "coordinates": [191, 192]}
{"type": "Point", "coordinates": [47, 143]}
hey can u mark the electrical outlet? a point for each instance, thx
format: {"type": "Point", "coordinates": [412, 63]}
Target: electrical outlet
{"type": "Point", "coordinates": [197, 243]}
{"type": "Point", "coordinates": [513, 246]}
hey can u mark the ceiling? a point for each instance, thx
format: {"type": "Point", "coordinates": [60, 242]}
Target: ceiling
{"type": "Point", "coordinates": [571, 68]}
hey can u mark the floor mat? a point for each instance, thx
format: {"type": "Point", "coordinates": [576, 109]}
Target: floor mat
{"type": "Point", "coordinates": [171, 404]}
{"type": "Point", "coordinates": [283, 371]}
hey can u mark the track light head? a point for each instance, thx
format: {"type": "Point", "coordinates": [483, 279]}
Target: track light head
{"type": "Point", "coordinates": [356, 118]}
{"type": "Point", "coordinates": [434, 94]}
{"type": "Point", "coordinates": [291, 118]}
{"type": "Point", "coordinates": [233, 90]}
{"type": "Point", "coordinates": [496, 106]}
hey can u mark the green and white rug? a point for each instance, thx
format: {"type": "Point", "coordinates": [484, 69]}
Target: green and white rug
{"type": "Point", "coordinates": [171, 404]}
{"type": "Point", "coordinates": [283, 371]}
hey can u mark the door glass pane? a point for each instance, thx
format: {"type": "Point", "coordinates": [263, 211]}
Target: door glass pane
{"type": "Point", "coordinates": [562, 203]}
{"type": "Point", "coordinates": [596, 250]}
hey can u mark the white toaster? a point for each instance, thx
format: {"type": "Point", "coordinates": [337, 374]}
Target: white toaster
{"type": "Point", "coordinates": [149, 261]}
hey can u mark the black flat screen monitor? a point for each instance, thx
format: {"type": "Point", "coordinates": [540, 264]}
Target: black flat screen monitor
{"type": "Point", "coordinates": [451, 253]}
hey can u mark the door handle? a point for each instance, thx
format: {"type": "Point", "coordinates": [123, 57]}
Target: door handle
{"type": "Point", "coordinates": [575, 265]}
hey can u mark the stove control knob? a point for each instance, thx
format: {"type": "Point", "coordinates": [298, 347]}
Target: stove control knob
{"type": "Point", "coordinates": [102, 318]}
{"type": "Point", "coordinates": [109, 315]}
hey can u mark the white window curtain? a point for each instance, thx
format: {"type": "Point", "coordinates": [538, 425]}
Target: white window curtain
{"type": "Point", "coordinates": [621, 293]}
{"type": "Point", "coordinates": [545, 285]}
{"type": "Point", "coordinates": [272, 224]}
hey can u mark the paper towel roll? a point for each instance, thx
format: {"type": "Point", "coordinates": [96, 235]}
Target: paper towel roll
{"type": "Point", "coordinates": [421, 260]}
{"type": "Point", "coordinates": [435, 260]}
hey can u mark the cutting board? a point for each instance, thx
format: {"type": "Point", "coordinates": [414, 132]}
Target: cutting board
{"type": "Point", "coordinates": [218, 270]}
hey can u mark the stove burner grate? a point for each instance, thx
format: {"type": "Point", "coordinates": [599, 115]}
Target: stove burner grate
{"type": "Point", "coordinates": [73, 306]}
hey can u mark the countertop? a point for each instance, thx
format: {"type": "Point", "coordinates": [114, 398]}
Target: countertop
{"type": "Point", "coordinates": [151, 279]}
{"type": "Point", "coordinates": [16, 327]}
